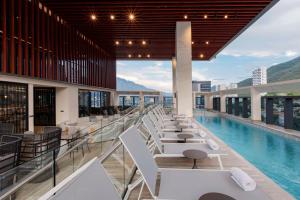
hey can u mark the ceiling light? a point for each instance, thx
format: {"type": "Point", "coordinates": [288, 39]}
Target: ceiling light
{"type": "Point", "coordinates": [148, 55]}
{"type": "Point", "coordinates": [192, 42]}
{"type": "Point", "coordinates": [129, 55]}
{"type": "Point", "coordinates": [93, 17]}
{"type": "Point", "coordinates": [201, 55]}
{"type": "Point", "coordinates": [185, 16]}
{"type": "Point", "coordinates": [205, 16]}
{"type": "Point", "coordinates": [112, 17]}
{"type": "Point", "coordinates": [130, 42]}
{"type": "Point", "coordinates": [139, 55]}
{"type": "Point", "coordinates": [225, 16]}
{"type": "Point", "coordinates": [117, 42]}
{"type": "Point", "coordinates": [131, 16]}
{"type": "Point", "coordinates": [144, 42]}
{"type": "Point", "coordinates": [207, 42]}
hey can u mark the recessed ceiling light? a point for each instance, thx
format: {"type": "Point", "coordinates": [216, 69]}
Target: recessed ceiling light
{"type": "Point", "coordinates": [192, 42]}
{"type": "Point", "coordinates": [93, 17]}
{"type": "Point", "coordinates": [130, 42]}
{"type": "Point", "coordinates": [205, 16]}
{"type": "Point", "coordinates": [112, 17]}
{"type": "Point", "coordinates": [225, 16]}
{"type": "Point", "coordinates": [148, 55]}
{"type": "Point", "coordinates": [185, 16]}
{"type": "Point", "coordinates": [144, 42]}
{"type": "Point", "coordinates": [131, 16]}
{"type": "Point", "coordinates": [201, 55]}
{"type": "Point", "coordinates": [129, 55]}
{"type": "Point", "coordinates": [207, 42]}
{"type": "Point", "coordinates": [117, 42]}
{"type": "Point", "coordinates": [139, 55]}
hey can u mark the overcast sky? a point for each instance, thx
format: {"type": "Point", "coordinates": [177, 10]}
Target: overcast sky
{"type": "Point", "coordinates": [273, 39]}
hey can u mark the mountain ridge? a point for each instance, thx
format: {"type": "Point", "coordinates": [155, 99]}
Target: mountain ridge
{"type": "Point", "coordinates": [289, 70]}
{"type": "Point", "coordinates": [126, 85]}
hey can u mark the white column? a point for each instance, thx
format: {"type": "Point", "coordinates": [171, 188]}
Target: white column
{"type": "Point", "coordinates": [30, 108]}
{"type": "Point", "coordinates": [208, 101]}
{"type": "Point", "coordinates": [255, 105]}
{"type": "Point", "coordinates": [223, 102]}
{"type": "Point", "coordinates": [194, 100]}
{"type": "Point", "coordinates": [142, 99]}
{"type": "Point", "coordinates": [174, 83]}
{"type": "Point", "coordinates": [184, 68]}
{"type": "Point", "coordinates": [114, 98]}
{"type": "Point", "coordinates": [161, 98]}
{"type": "Point", "coordinates": [67, 106]}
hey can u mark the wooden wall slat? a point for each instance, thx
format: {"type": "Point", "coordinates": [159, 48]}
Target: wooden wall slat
{"type": "Point", "coordinates": [4, 38]}
{"type": "Point", "coordinates": [42, 46]}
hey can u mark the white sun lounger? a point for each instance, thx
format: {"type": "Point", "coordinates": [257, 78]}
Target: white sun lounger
{"type": "Point", "coordinates": [181, 184]}
{"type": "Point", "coordinates": [171, 136]}
{"type": "Point", "coordinates": [169, 150]}
{"type": "Point", "coordinates": [89, 182]}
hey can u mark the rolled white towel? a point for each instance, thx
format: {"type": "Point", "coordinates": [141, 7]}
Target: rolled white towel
{"type": "Point", "coordinates": [212, 144]}
{"type": "Point", "coordinates": [201, 133]}
{"type": "Point", "coordinates": [242, 179]}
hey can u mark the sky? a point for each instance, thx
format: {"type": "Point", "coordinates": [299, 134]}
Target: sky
{"type": "Point", "coordinates": [273, 39]}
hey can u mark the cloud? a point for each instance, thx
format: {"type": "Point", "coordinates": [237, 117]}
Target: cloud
{"type": "Point", "coordinates": [290, 53]}
{"type": "Point", "coordinates": [120, 63]}
{"type": "Point", "coordinates": [275, 34]}
{"type": "Point", "coordinates": [152, 74]}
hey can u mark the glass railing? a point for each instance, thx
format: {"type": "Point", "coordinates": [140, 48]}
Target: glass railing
{"type": "Point", "coordinates": [28, 182]}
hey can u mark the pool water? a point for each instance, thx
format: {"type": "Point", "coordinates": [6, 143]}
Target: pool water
{"type": "Point", "coordinates": [277, 156]}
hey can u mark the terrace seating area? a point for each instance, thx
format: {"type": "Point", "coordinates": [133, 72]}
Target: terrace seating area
{"type": "Point", "coordinates": [162, 147]}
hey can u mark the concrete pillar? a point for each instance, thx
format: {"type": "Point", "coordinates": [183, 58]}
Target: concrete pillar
{"type": "Point", "coordinates": [184, 68]}
{"type": "Point", "coordinates": [114, 98]}
{"type": "Point", "coordinates": [30, 108]}
{"type": "Point", "coordinates": [174, 83]}
{"type": "Point", "coordinates": [142, 100]}
{"type": "Point", "coordinates": [223, 102]}
{"type": "Point", "coordinates": [161, 98]}
{"type": "Point", "coordinates": [255, 105]}
{"type": "Point", "coordinates": [194, 100]}
{"type": "Point", "coordinates": [208, 101]}
{"type": "Point", "coordinates": [67, 106]}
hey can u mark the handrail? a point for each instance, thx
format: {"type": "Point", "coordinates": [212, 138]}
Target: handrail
{"type": "Point", "coordinates": [10, 190]}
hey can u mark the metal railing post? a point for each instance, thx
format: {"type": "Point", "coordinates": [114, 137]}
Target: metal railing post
{"type": "Point", "coordinates": [54, 168]}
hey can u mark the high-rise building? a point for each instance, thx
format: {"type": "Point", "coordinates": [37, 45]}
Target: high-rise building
{"type": "Point", "coordinates": [259, 76]}
{"type": "Point", "coordinates": [201, 86]}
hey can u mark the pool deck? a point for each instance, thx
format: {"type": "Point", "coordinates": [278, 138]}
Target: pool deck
{"type": "Point", "coordinates": [236, 160]}
{"type": "Point", "coordinates": [233, 159]}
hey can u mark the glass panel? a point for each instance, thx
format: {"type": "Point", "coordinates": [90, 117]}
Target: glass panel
{"type": "Point", "coordinates": [13, 105]}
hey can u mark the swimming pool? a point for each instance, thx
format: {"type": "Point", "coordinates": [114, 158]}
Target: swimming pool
{"type": "Point", "coordinates": [275, 155]}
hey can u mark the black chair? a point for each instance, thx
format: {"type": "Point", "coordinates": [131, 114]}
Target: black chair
{"type": "Point", "coordinates": [9, 159]}
{"type": "Point", "coordinates": [9, 152]}
{"type": "Point", "coordinates": [38, 145]}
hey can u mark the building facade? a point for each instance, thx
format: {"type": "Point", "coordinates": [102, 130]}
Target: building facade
{"type": "Point", "coordinates": [201, 86]}
{"type": "Point", "coordinates": [259, 76]}
{"type": "Point", "coordinates": [46, 64]}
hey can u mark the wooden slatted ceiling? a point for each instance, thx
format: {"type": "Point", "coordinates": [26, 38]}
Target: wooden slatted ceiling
{"type": "Point", "coordinates": [155, 22]}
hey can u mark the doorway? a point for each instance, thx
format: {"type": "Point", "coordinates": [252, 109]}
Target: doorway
{"type": "Point", "coordinates": [44, 106]}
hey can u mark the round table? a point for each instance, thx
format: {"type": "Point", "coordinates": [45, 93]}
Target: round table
{"type": "Point", "coordinates": [195, 155]}
{"type": "Point", "coordinates": [215, 196]}
{"type": "Point", "coordinates": [184, 136]}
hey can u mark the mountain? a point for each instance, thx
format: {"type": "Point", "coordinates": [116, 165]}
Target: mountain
{"type": "Point", "coordinates": [125, 85]}
{"type": "Point", "coordinates": [282, 72]}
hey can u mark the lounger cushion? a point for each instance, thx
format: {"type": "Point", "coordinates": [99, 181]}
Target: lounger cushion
{"type": "Point", "coordinates": [192, 184]}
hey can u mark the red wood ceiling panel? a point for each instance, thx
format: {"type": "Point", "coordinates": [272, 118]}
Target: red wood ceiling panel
{"type": "Point", "coordinates": [155, 23]}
